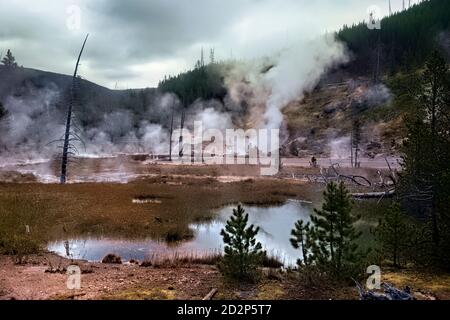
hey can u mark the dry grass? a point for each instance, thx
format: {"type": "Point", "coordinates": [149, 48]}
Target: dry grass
{"type": "Point", "coordinates": [425, 282]}
{"type": "Point", "coordinates": [21, 219]}
{"type": "Point", "coordinates": [62, 211]}
{"type": "Point", "coordinates": [176, 259]}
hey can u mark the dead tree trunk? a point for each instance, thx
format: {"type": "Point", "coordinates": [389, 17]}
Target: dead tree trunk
{"type": "Point", "coordinates": [356, 139]}
{"type": "Point", "coordinates": [171, 132]}
{"type": "Point", "coordinates": [180, 142]}
{"type": "Point", "coordinates": [351, 149]}
{"type": "Point", "coordinates": [67, 133]}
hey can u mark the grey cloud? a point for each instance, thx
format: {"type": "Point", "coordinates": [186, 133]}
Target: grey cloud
{"type": "Point", "coordinates": [137, 40]}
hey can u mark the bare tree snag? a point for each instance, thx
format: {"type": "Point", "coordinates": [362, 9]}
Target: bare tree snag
{"type": "Point", "coordinates": [180, 144]}
{"type": "Point", "coordinates": [68, 133]}
{"type": "Point", "coordinates": [171, 132]}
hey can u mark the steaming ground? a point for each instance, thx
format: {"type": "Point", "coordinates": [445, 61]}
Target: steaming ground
{"type": "Point", "coordinates": [126, 168]}
{"type": "Point", "coordinates": [292, 91]}
{"type": "Point", "coordinates": [257, 92]}
{"type": "Point", "coordinates": [319, 125]}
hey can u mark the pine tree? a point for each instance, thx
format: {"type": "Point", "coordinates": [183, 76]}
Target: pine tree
{"type": "Point", "coordinates": [425, 179]}
{"type": "Point", "coordinates": [394, 233]}
{"type": "Point", "coordinates": [303, 239]}
{"type": "Point", "coordinates": [9, 60]}
{"type": "Point", "coordinates": [408, 37]}
{"type": "Point", "coordinates": [334, 230]}
{"type": "Point", "coordinates": [243, 254]}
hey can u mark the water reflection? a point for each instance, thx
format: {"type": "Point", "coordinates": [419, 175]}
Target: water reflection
{"type": "Point", "coordinates": [275, 224]}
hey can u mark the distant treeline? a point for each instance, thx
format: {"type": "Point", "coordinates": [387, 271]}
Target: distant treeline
{"type": "Point", "coordinates": [204, 81]}
{"type": "Point", "coordinates": [405, 39]}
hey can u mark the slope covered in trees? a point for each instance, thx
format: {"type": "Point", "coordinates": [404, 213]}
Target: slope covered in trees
{"type": "Point", "coordinates": [403, 43]}
{"type": "Point", "coordinates": [204, 81]}
{"type": "Point", "coordinates": [405, 39]}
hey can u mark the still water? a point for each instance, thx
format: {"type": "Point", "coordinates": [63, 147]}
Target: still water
{"type": "Point", "coordinates": [275, 224]}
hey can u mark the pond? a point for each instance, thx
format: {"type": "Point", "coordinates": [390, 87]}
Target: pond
{"type": "Point", "coordinates": [275, 222]}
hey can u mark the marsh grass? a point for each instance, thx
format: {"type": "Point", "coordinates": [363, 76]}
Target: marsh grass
{"type": "Point", "coordinates": [22, 224]}
{"type": "Point", "coordinates": [177, 235]}
{"type": "Point", "coordinates": [211, 257]}
{"type": "Point", "coordinates": [105, 209]}
{"type": "Point", "coordinates": [177, 259]}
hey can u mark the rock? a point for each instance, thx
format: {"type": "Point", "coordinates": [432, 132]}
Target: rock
{"type": "Point", "coordinates": [112, 258]}
{"type": "Point", "coordinates": [146, 263]}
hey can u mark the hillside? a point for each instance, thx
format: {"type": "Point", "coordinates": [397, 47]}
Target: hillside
{"type": "Point", "coordinates": [405, 39]}
{"type": "Point", "coordinates": [93, 100]}
{"type": "Point", "coordinates": [318, 123]}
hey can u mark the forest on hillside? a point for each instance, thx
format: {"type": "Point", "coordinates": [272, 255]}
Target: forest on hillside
{"type": "Point", "coordinates": [403, 43]}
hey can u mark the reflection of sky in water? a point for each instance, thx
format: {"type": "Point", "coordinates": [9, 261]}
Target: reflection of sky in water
{"type": "Point", "coordinates": [275, 225]}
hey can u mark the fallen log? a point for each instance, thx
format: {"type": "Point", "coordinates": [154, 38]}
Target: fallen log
{"type": "Point", "coordinates": [390, 293]}
{"type": "Point", "coordinates": [374, 195]}
{"type": "Point", "coordinates": [211, 294]}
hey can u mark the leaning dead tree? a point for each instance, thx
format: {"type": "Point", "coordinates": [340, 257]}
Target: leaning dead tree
{"type": "Point", "coordinates": [70, 136]}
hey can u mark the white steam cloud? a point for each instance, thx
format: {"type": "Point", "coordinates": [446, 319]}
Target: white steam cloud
{"type": "Point", "coordinates": [298, 70]}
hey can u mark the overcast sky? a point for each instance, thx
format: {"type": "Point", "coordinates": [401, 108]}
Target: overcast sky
{"type": "Point", "coordinates": [134, 43]}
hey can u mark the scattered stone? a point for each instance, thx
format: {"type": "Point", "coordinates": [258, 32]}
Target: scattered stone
{"type": "Point", "coordinates": [112, 258]}
{"type": "Point", "coordinates": [146, 263]}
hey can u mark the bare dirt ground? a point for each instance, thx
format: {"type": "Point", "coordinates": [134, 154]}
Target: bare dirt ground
{"type": "Point", "coordinates": [130, 281]}
{"type": "Point", "coordinates": [187, 282]}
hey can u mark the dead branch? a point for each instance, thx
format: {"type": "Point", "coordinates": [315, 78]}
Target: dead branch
{"type": "Point", "coordinates": [374, 195]}
{"type": "Point", "coordinates": [211, 294]}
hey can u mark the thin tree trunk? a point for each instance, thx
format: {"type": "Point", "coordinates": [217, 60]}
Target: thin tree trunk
{"type": "Point", "coordinates": [180, 142]}
{"type": "Point", "coordinates": [171, 132]}
{"type": "Point", "coordinates": [69, 119]}
{"type": "Point", "coordinates": [351, 148]}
